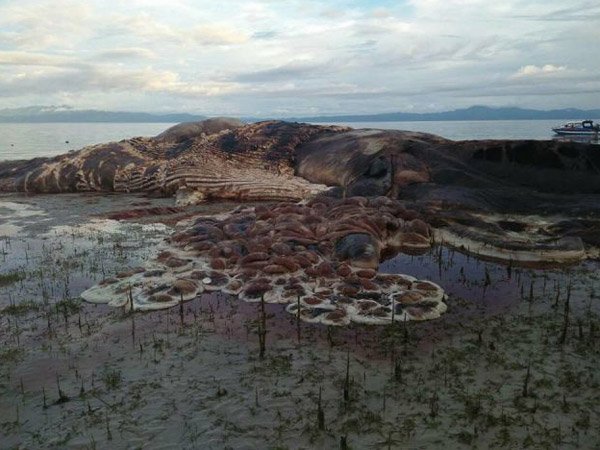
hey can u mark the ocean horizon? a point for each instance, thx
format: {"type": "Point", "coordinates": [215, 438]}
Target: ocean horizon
{"type": "Point", "coordinates": [32, 140]}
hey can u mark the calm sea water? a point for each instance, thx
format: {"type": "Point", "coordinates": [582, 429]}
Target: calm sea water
{"type": "Point", "coordinates": [29, 140]}
{"type": "Point", "coordinates": [478, 129]}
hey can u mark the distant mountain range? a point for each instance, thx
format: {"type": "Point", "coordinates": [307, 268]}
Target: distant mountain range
{"type": "Point", "coordinates": [472, 113]}
{"type": "Point", "coordinates": [38, 114]}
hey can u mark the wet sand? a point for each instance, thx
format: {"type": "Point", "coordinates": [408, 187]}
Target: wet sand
{"type": "Point", "coordinates": [502, 368]}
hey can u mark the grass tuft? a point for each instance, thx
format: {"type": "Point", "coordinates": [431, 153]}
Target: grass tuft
{"type": "Point", "coordinates": [20, 309]}
{"type": "Point", "coordinates": [7, 279]}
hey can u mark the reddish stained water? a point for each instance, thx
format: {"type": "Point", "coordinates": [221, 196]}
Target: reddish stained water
{"type": "Point", "coordinates": [474, 288]}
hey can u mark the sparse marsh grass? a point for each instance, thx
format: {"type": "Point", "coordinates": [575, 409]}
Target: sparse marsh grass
{"type": "Point", "coordinates": [11, 355]}
{"type": "Point", "coordinates": [20, 309]}
{"type": "Point", "coordinates": [68, 306]}
{"type": "Point", "coordinates": [112, 378]}
{"type": "Point", "coordinates": [457, 381]}
{"type": "Point", "coordinates": [6, 279]}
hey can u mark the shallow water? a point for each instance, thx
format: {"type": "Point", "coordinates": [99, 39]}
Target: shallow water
{"type": "Point", "coordinates": [497, 287]}
{"type": "Point", "coordinates": [52, 232]}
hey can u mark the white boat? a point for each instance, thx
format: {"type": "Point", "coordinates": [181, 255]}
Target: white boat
{"type": "Point", "coordinates": [584, 128]}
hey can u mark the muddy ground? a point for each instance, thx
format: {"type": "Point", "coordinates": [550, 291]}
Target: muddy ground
{"type": "Point", "coordinates": [513, 363]}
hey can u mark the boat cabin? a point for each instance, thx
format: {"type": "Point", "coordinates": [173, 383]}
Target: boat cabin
{"type": "Point", "coordinates": [587, 124]}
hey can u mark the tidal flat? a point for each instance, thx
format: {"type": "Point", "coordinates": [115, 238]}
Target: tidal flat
{"type": "Point", "coordinates": [513, 363]}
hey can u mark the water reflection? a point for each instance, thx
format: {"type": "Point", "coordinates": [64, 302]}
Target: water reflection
{"type": "Point", "coordinates": [581, 139]}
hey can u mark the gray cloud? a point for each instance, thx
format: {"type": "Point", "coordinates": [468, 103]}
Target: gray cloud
{"type": "Point", "coordinates": [107, 79]}
{"type": "Point", "coordinates": [20, 58]}
{"type": "Point", "coordinates": [288, 72]}
{"type": "Point", "coordinates": [118, 54]}
{"type": "Point", "coordinates": [151, 30]}
{"type": "Point", "coordinates": [586, 12]}
{"type": "Point", "coordinates": [265, 35]}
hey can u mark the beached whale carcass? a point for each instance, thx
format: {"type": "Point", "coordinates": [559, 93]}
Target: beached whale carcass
{"type": "Point", "coordinates": [470, 190]}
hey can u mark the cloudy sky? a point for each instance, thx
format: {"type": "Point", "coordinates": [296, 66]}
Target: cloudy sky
{"type": "Point", "coordinates": [298, 57]}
